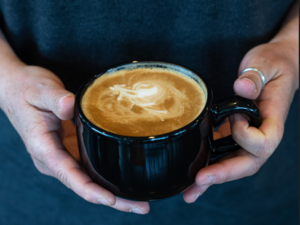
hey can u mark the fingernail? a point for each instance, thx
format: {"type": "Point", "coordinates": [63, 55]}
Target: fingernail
{"type": "Point", "coordinates": [197, 196]}
{"type": "Point", "coordinates": [253, 84]}
{"type": "Point", "coordinates": [208, 180]}
{"type": "Point", "coordinates": [103, 201]}
{"type": "Point", "coordinates": [61, 99]}
{"type": "Point", "coordinates": [136, 210]}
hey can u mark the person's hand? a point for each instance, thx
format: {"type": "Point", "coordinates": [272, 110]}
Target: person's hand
{"type": "Point", "coordinates": [35, 101]}
{"type": "Point", "coordinates": [277, 61]}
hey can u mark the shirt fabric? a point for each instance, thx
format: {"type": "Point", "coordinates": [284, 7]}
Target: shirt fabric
{"type": "Point", "coordinates": [76, 39]}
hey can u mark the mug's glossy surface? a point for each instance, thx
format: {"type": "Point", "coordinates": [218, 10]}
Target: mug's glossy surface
{"type": "Point", "coordinates": [151, 168]}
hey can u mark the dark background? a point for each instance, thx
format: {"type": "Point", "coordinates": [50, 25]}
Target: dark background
{"type": "Point", "coordinates": [269, 197]}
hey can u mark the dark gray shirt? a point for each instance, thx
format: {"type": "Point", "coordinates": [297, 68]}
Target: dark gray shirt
{"type": "Point", "coordinates": [76, 39]}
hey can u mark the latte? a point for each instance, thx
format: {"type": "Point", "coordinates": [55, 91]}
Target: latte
{"type": "Point", "coordinates": [142, 102]}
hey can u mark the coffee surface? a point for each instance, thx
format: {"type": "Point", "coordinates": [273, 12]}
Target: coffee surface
{"type": "Point", "coordinates": [142, 102]}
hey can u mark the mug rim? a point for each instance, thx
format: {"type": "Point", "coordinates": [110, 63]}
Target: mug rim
{"type": "Point", "coordinates": [175, 133]}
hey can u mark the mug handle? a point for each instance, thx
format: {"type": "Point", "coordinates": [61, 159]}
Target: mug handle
{"type": "Point", "coordinates": [220, 111]}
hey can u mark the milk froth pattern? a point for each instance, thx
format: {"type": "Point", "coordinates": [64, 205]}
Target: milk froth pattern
{"type": "Point", "coordinates": [142, 102]}
{"type": "Point", "coordinates": [138, 95]}
{"type": "Point", "coordinates": [151, 99]}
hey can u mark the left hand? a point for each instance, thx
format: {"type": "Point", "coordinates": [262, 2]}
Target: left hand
{"type": "Point", "coordinates": [277, 61]}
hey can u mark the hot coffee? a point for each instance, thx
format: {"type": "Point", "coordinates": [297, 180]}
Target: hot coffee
{"type": "Point", "coordinates": [143, 101]}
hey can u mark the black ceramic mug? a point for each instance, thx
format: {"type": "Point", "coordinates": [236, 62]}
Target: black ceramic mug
{"type": "Point", "coordinates": [156, 167]}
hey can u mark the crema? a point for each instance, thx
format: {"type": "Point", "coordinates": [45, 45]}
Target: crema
{"type": "Point", "coordinates": [143, 102]}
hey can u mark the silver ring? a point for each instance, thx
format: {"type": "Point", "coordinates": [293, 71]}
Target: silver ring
{"type": "Point", "coordinates": [256, 70]}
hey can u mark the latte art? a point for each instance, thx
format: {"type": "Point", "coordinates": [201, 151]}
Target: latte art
{"type": "Point", "coordinates": [142, 102]}
{"type": "Point", "coordinates": [140, 95]}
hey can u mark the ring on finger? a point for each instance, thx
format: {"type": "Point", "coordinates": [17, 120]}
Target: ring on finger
{"type": "Point", "coordinates": [256, 70]}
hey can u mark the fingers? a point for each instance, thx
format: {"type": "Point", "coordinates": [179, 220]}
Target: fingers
{"type": "Point", "coordinates": [41, 167]}
{"type": "Point", "coordinates": [69, 173]}
{"type": "Point", "coordinates": [67, 170]}
{"type": "Point", "coordinates": [260, 142]}
{"type": "Point", "coordinates": [131, 206]}
{"type": "Point", "coordinates": [242, 165]}
{"type": "Point", "coordinates": [274, 106]}
{"type": "Point", "coordinates": [273, 102]}
{"type": "Point", "coordinates": [61, 165]}
{"type": "Point", "coordinates": [250, 84]}
{"type": "Point", "coordinates": [55, 99]}
{"type": "Point", "coordinates": [194, 192]}
{"type": "Point", "coordinates": [47, 93]}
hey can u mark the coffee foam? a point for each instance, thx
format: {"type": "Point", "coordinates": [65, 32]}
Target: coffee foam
{"type": "Point", "coordinates": [142, 102]}
{"type": "Point", "coordinates": [139, 95]}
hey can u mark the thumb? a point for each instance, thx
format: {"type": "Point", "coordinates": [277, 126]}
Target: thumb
{"type": "Point", "coordinates": [250, 83]}
{"type": "Point", "coordinates": [54, 97]}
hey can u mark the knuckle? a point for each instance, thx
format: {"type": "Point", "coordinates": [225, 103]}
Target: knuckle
{"type": "Point", "coordinates": [33, 152]}
{"type": "Point", "coordinates": [269, 144]}
{"type": "Point", "coordinates": [40, 90]}
{"type": "Point", "coordinates": [61, 175]}
{"type": "Point", "coordinates": [255, 168]}
{"type": "Point", "coordinates": [265, 149]}
{"type": "Point", "coordinates": [34, 91]}
{"type": "Point", "coordinates": [239, 134]}
{"type": "Point", "coordinates": [279, 133]}
{"type": "Point", "coordinates": [52, 165]}
{"type": "Point", "coordinates": [42, 170]}
{"type": "Point", "coordinates": [39, 166]}
{"type": "Point", "coordinates": [40, 87]}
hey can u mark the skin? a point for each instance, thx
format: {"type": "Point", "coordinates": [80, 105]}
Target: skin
{"type": "Point", "coordinates": [37, 104]}
{"type": "Point", "coordinates": [278, 61]}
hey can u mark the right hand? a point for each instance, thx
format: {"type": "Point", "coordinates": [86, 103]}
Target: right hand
{"type": "Point", "coordinates": [35, 101]}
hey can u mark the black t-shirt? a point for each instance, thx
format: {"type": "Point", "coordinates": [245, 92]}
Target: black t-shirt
{"type": "Point", "coordinates": [76, 39]}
